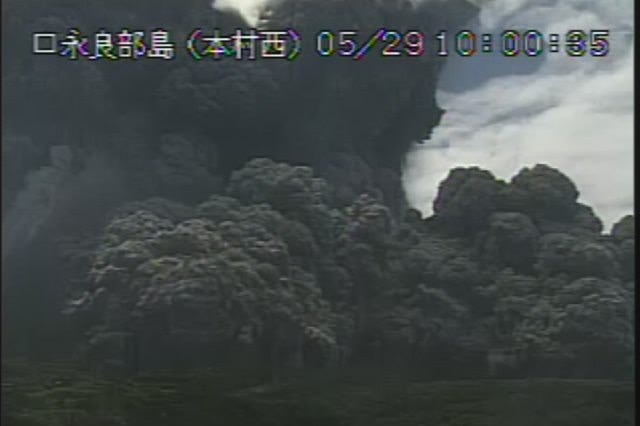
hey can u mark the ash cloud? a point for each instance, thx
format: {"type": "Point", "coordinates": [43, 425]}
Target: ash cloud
{"type": "Point", "coordinates": [254, 210]}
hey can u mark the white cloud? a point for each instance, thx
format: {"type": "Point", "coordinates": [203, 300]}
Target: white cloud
{"type": "Point", "coordinates": [249, 9]}
{"type": "Point", "coordinates": [575, 114]}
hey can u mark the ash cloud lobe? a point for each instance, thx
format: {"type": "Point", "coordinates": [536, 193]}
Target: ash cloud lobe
{"type": "Point", "coordinates": [373, 109]}
{"type": "Point", "coordinates": [256, 208]}
{"type": "Point", "coordinates": [192, 124]}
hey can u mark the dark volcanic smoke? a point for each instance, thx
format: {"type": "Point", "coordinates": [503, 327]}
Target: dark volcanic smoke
{"type": "Point", "coordinates": [175, 214]}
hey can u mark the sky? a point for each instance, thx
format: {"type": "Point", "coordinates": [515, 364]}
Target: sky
{"type": "Point", "coordinates": [503, 114]}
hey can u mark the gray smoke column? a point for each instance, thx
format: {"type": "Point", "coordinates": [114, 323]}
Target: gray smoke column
{"type": "Point", "coordinates": [335, 109]}
{"type": "Point", "coordinates": [57, 201]}
{"type": "Point", "coordinates": [36, 201]}
{"type": "Point", "coordinates": [352, 120]}
{"type": "Point", "coordinates": [250, 9]}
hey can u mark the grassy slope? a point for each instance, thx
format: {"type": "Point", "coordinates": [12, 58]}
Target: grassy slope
{"type": "Point", "coordinates": [54, 395]}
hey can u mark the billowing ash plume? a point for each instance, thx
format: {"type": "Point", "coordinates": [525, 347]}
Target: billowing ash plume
{"type": "Point", "coordinates": [253, 211]}
{"type": "Point", "coordinates": [35, 203]}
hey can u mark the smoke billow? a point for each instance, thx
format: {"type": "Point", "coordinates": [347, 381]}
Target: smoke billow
{"type": "Point", "coordinates": [36, 201]}
{"type": "Point", "coordinates": [230, 210]}
{"type": "Point", "coordinates": [179, 129]}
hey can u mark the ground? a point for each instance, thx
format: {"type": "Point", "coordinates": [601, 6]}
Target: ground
{"type": "Point", "coordinates": [54, 395]}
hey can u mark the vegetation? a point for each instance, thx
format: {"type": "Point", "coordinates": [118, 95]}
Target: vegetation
{"type": "Point", "coordinates": [53, 395]}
